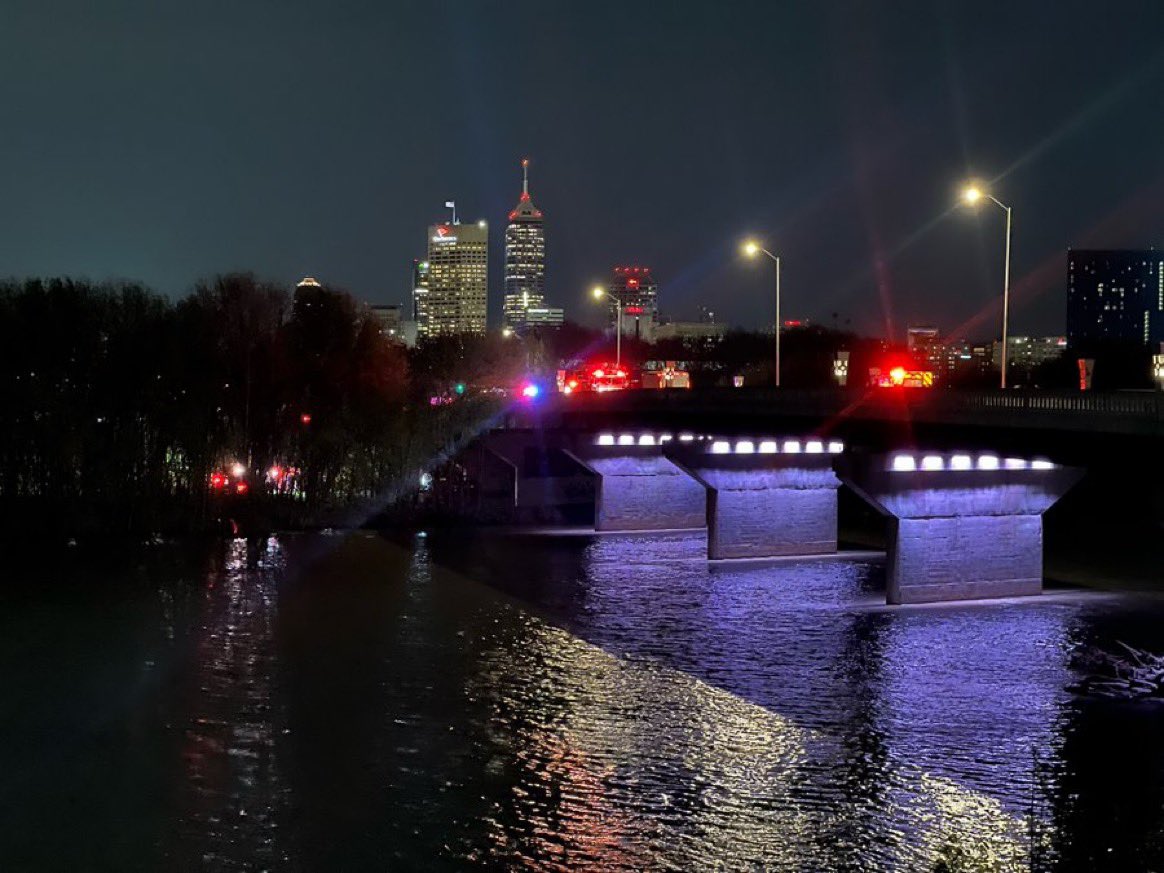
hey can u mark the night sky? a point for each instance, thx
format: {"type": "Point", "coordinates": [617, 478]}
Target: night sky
{"type": "Point", "coordinates": [165, 142]}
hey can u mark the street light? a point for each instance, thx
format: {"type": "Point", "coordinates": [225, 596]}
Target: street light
{"type": "Point", "coordinates": [598, 292]}
{"type": "Point", "coordinates": [751, 249]}
{"type": "Point", "coordinates": [972, 195]}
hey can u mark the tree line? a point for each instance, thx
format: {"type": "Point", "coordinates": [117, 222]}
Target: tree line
{"type": "Point", "coordinates": [125, 411]}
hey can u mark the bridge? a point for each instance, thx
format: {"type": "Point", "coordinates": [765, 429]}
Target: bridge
{"type": "Point", "coordinates": [963, 478]}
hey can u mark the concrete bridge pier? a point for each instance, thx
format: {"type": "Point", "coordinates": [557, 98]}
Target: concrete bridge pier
{"type": "Point", "coordinates": [767, 497]}
{"type": "Point", "coordinates": [964, 526]}
{"type": "Point", "coordinates": [638, 488]}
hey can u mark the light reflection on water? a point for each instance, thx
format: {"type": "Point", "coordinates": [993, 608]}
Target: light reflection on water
{"type": "Point", "coordinates": [232, 787]}
{"type": "Point", "coordinates": [611, 702]}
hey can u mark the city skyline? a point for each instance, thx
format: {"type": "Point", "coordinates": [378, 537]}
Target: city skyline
{"type": "Point", "coordinates": [845, 151]}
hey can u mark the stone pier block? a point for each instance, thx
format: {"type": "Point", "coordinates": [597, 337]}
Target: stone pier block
{"type": "Point", "coordinates": [768, 505]}
{"type": "Point", "coordinates": [639, 489]}
{"type": "Point", "coordinates": [963, 527]}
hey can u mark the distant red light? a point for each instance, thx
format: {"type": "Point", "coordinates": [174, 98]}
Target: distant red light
{"type": "Point", "coordinates": [241, 488]}
{"type": "Point", "coordinates": [598, 374]}
{"type": "Point", "coordinates": [305, 419]}
{"type": "Point", "coordinates": [217, 481]}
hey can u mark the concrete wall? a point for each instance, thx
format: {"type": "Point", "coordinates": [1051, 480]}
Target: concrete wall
{"type": "Point", "coordinates": [772, 509]}
{"type": "Point", "coordinates": [961, 534]}
{"type": "Point", "coordinates": [964, 558]}
{"type": "Point", "coordinates": [645, 491]}
{"type": "Point", "coordinates": [545, 483]}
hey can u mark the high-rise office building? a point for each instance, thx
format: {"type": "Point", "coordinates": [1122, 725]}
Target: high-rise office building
{"type": "Point", "coordinates": [1028, 352]}
{"type": "Point", "coordinates": [925, 345]}
{"type": "Point", "coordinates": [458, 279]}
{"type": "Point", "coordinates": [544, 316]}
{"type": "Point", "coordinates": [525, 258]}
{"type": "Point", "coordinates": [420, 296]}
{"type": "Point", "coordinates": [1115, 295]}
{"type": "Point", "coordinates": [639, 295]}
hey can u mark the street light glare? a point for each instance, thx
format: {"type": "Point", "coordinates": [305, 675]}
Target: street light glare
{"type": "Point", "coordinates": [598, 291]}
{"type": "Point", "coordinates": [972, 194]}
{"type": "Point", "coordinates": [751, 248]}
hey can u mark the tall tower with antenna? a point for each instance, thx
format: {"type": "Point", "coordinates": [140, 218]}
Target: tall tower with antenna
{"type": "Point", "coordinates": [525, 258]}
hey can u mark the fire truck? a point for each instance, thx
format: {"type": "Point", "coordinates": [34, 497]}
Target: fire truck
{"type": "Point", "coordinates": [595, 377]}
{"type": "Point", "coordinates": [900, 377]}
{"type": "Point", "coordinates": [601, 376]}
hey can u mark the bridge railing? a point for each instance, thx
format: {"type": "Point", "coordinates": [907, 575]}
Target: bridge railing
{"type": "Point", "coordinates": [1130, 411]}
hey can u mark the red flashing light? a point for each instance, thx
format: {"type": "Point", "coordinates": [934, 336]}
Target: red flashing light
{"type": "Point", "coordinates": [632, 283]}
{"type": "Point", "coordinates": [897, 374]}
{"type": "Point", "coordinates": [620, 373]}
{"type": "Point", "coordinates": [305, 419]}
{"type": "Point", "coordinates": [241, 488]}
{"type": "Point", "coordinates": [598, 374]}
{"type": "Point", "coordinates": [217, 481]}
{"type": "Point", "coordinates": [524, 196]}
{"type": "Point", "coordinates": [572, 384]}
{"type": "Point", "coordinates": [633, 310]}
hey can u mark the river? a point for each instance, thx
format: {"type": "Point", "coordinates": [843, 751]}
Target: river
{"type": "Point", "coordinates": [450, 701]}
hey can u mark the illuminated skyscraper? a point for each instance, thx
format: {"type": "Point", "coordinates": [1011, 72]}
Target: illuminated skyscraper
{"type": "Point", "coordinates": [458, 278]}
{"type": "Point", "coordinates": [639, 294]}
{"type": "Point", "coordinates": [525, 258]}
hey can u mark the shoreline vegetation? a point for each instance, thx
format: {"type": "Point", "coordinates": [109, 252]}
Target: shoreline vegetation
{"type": "Point", "coordinates": [128, 413]}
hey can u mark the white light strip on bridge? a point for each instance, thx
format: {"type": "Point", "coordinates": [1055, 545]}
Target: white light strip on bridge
{"type": "Point", "coordinates": [626, 439]}
{"type": "Point", "coordinates": [768, 447]}
{"type": "Point", "coordinates": [647, 439]}
{"type": "Point", "coordinates": [836, 447]}
{"type": "Point", "coordinates": [792, 447]}
{"type": "Point", "coordinates": [745, 447]}
{"type": "Point", "coordinates": [721, 447]}
{"type": "Point", "coordinates": [686, 437]}
{"type": "Point", "coordinates": [605, 439]}
{"type": "Point", "coordinates": [814, 447]}
{"type": "Point", "coordinates": [907, 463]}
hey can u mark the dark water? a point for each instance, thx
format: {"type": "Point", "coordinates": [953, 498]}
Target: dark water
{"type": "Point", "coordinates": [362, 703]}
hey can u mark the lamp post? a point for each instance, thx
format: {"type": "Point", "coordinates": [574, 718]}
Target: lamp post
{"type": "Point", "coordinates": [599, 292]}
{"type": "Point", "coordinates": [751, 248]}
{"type": "Point", "coordinates": [972, 195]}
